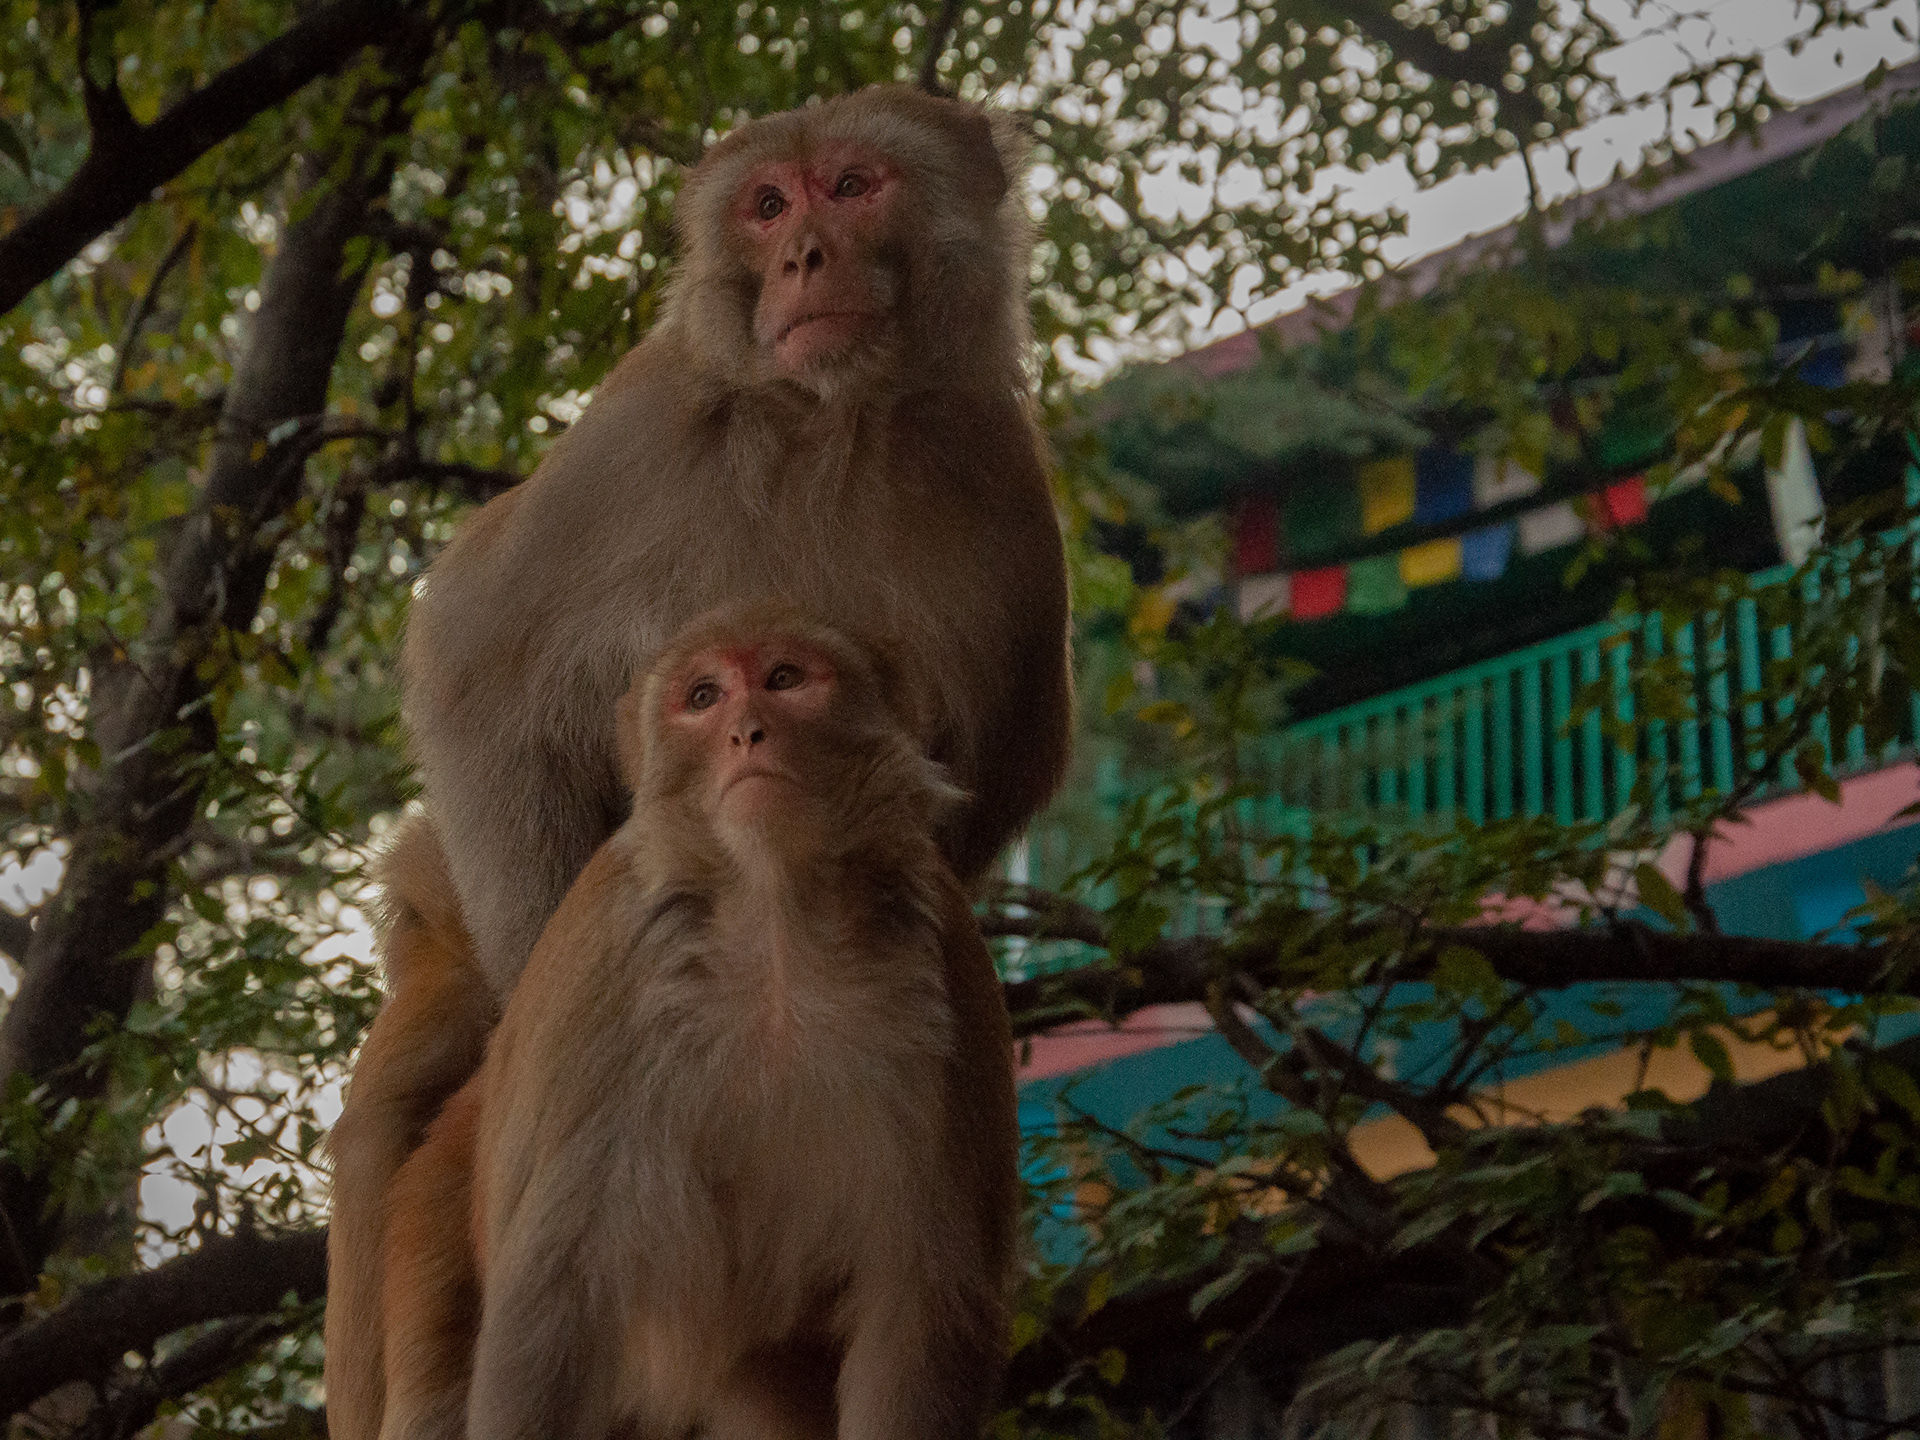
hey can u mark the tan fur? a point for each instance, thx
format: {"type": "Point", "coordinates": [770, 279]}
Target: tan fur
{"type": "Point", "coordinates": [907, 501]}
{"type": "Point", "coordinates": [428, 1038]}
{"type": "Point", "coordinates": [746, 1134]}
{"type": "Point", "coordinates": [901, 496]}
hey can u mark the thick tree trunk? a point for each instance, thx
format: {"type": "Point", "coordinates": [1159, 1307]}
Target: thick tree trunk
{"type": "Point", "coordinates": [148, 712]}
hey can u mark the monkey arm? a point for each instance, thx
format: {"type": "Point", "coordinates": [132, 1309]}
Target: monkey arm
{"type": "Point", "coordinates": [925, 1356]}
{"type": "Point", "coordinates": [556, 1244]}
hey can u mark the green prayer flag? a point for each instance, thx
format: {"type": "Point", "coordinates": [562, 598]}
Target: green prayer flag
{"type": "Point", "coordinates": [1375, 585]}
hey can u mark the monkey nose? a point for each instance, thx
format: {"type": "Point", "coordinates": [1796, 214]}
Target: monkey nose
{"type": "Point", "coordinates": [810, 256]}
{"type": "Point", "coordinates": [749, 735]}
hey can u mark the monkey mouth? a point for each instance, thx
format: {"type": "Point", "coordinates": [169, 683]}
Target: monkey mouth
{"type": "Point", "coordinates": [825, 325]}
{"type": "Point", "coordinates": [755, 772]}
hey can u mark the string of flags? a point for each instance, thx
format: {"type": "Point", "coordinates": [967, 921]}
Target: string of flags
{"type": "Point", "coordinates": [1428, 488]}
{"type": "Point", "coordinates": [1435, 486]}
{"type": "Point", "coordinates": [1830, 346]}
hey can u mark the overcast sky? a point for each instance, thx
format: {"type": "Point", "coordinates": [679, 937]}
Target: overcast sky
{"type": "Point", "coordinates": [1468, 204]}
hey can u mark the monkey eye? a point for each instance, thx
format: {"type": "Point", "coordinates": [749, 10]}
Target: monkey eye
{"type": "Point", "coordinates": [770, 204]}
{"type": "Point", "coordinates": [785, 676]}
{"type": "Point", "coordinates": [704, 695]}
{"type": "Point", "coordinates": [851, 184]}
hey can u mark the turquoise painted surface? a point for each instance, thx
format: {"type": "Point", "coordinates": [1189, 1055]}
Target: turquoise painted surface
{"type": "Point", "coordinates": [1797, 900]}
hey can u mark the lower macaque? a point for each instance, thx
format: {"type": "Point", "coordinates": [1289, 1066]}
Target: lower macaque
{"type": "Point", "coordinates": [741, 1158]}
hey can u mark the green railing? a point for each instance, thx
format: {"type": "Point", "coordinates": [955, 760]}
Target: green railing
{"type": "Point", "coordinates": [1501, 738]}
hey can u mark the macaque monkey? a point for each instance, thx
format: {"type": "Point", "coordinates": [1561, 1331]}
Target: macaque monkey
{"type": "Point", "coordinates": [833, 409]}
{"type": "Point", "coordinates": [741, 1159]}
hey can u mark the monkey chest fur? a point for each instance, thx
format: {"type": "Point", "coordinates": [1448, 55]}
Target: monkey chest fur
{"type": "Point", "coordinates": [788, 1102]}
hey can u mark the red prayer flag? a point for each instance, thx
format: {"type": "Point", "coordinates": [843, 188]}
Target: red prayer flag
{"type": "Point", "coordinates": [1319, 593]}
{"type": "Point", "coordinates": [1622, 503]}
{"type": "Point", "coordinates": [1256, 536]}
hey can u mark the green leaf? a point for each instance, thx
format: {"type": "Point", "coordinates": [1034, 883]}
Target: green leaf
{"type": "Point", "coordinates": [1467, 972]}
{"type": "Point", "coordinates": [1711, 1052]}
{"type": "Point", "coordinates": [1658, 895]}
{"type": "Point", "coordinates": [1099, 1291]}
{"type": "Point", "coordinates": [1112, 1365]}
{"type": "Point", "coordinates": [1026, 1329]}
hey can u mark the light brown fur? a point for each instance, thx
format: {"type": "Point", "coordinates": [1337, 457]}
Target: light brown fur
{"type": "Point", "coordinates": [899, 490]}
{"type": "Point", "coordinates": [745, 1139]}
{"type": "Point", "coordinates": [896, 488]}
{"type": "Point", "coordinates": [429, 1037]}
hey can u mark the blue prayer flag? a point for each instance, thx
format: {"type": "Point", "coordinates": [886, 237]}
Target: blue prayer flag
{"type": "Point", "coordinates": [1442, 485]}
{"type": "Point", "coordinates": [1484, 552]}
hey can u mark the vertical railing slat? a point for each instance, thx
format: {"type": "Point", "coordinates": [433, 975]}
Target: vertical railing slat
{"type": "Point", "coordinates": [1502, 759]}
{"type": "Point", "coordinates": [1533, 743]}
{"type": "Point", "coordinates": [1446, 713]}
{"type": "Point", "coordinates": [1415, 729]}
{"type": "Point", "coordinates": [1746, 639]}
{"type": "Point", "coordinates": [1387, 740]}
{"type": "Point", "coordinates": [1689, 727]}
{"type": "Point", "coordinates": [1625, 764]}
{"type": "Point", "coordinates": [1719, 726]}
{"type": "Point", "coordinates": [1559, 713]}
{"type": "Point", "coordinates": [1655, 641]}
{"type": "Point", "coordinates": [1592, 791]}
{"type": "Point", "coordinates": [1476, 738]}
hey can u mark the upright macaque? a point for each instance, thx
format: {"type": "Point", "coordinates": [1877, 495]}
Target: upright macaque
{"type": "Point", "coordinates": [741, 1159]}
{"type": "Point", "coordinates": [832, 410]}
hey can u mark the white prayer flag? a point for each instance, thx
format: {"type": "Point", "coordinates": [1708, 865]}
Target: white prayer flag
{"type": "Point", "coordinates": [1264, 595]}
{"type": "Point", "coordinates": [1551, 527]}
{"type": "Point", "coordinates": [1498, 480]}
{"type": "Point", "coordinates": [1793, 491]}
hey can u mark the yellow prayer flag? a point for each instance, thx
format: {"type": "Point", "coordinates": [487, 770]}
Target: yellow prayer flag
{"type": "Point", "coordinates": [1430, 563]}
{"type": "Point", "coordinates": [1386, 493]}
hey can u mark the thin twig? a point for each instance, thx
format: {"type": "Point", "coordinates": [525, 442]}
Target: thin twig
{"type": "Point", "coordinates": [937, 37]}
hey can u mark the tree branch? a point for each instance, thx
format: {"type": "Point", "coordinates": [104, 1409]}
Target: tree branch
{"type": "Point", "coordinates": [125, 165]}
{"type": "Point", "coordinates": [229, 1275]}
{"type": "Point", "coordinates": [202, 1360]}
{"type": "Point", "coordinates": [16, 933]}
{"type": "Point", "coordinates": [938, 34]}
{"type": "Point", "coordinates": [1178, 971]}
{"type": "Point", "coordinates": [148, 708]}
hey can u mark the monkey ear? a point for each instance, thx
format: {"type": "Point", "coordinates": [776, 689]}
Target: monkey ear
{"type": "Point", "coordinates": [997, 145]}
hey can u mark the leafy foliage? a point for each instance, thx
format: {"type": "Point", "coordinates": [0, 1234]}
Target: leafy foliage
{"type": "Point", "coordinates": [241, 420]}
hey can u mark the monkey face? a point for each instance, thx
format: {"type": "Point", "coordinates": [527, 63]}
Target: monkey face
{"type": "Point", "coordinates": [749, 718]}
{"type": "Point", "coordinates": [815, 230]}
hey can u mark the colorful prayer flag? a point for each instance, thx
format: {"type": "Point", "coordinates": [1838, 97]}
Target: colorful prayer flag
{"type": "Point", "coordinates": [1256, 535]}
{"type": "Point", "coordinates": [1374, 586]}
{"type": "Point", "coordinates": [1386, 493]}
{"type": "Point", "coordinates": [1317, 594]}
{"type": "Point", "coordinates": [1793, 492]}
{"type": "Point", "coordinates": [1484, 553]}
{"type": "Point", "coordinates": [1622, 503]}
{"type": "Point", "coordinates": [1430, 563]}
{"type": "Point", "coordinates": [1496, 481]}
{"type": "Point", "coordinates": [1443, 485]}
{"type": "Point", "coordinates": [1264, 595]}
{"type": "Point", "coordinates": [1550, 527]}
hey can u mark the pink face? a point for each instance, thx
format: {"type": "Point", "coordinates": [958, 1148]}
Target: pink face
{"type": "Point", "coordinates": [813, 229]}
{"type": "Point", "coordinates": [746, 708]}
